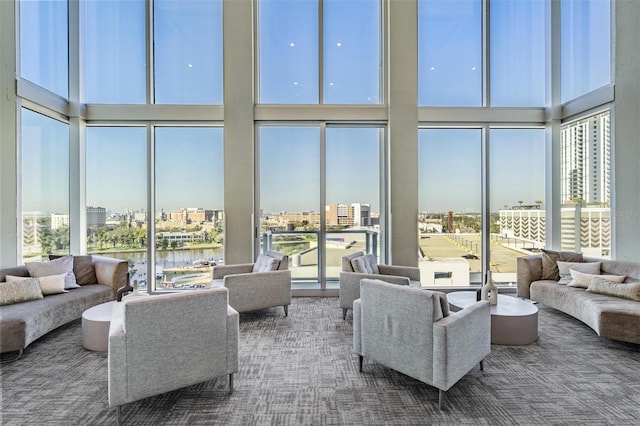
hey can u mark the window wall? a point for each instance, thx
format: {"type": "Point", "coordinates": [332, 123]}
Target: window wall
{"type": "Point", "coordinates": [322, 62]}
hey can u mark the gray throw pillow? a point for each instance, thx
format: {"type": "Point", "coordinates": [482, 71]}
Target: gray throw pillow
{"type": "Point", "coordinates": [550, 260]}
{"type": "Point", "coordinates": [564, 269]}
{"type": "Point", "coordinates": [624, 290]}
{"type": "Point", "coordinates": [20, 291]}
{"type": "Point", "coordinates": [54, 267]}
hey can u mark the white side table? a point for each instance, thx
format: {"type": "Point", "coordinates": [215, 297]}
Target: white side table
{"type": "Point", "coordinates": [95, 327]}
{"type": "Point", "coordinates": [513, 321]}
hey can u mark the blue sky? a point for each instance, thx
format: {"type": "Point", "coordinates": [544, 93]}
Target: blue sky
{"type": "Point", "coordinates": [188, 70]}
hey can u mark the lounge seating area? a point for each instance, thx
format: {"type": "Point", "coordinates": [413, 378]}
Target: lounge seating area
{"type": "Point", "coordinates": [604, 294]}
{"type": "Point", "coordinates": [26, 315]}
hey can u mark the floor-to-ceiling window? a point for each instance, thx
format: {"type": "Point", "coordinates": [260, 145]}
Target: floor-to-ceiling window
{"type": "Point", "coordinates": [116, 195]}
{"type": "Point", "coordinates": [450, 208]}
{"type": "Point", "coordinates": [516, 199]}
{"type": "Point", "coordinates": [45, 186]}
{"type": "Point", "coordinates": [189, 210]}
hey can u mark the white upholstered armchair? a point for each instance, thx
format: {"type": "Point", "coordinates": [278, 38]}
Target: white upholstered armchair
{"type": "Point", "coordinates": [357, 266]}
{"type": "Point", "coordinates": [410, 330]}
{"type": "Point", "coordinates": [166, 342]}
{"type": "Point", "coordinates": [260, 285]}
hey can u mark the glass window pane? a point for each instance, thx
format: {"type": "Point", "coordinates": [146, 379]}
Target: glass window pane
{"type": "Point", "coordinates": [517, 225]}
{"type": "Point", "coordinates": [290, 196]}
{"type": "Point", "coordinates": [586, 46]}
{"type": "Point", "coordinates": [189, 212]}
{"type": "Point", "coordinates": [188, 51]}
{"type": "Point", "coordinates": [450, 53]}
{"type": "Point", "coordinates": [585, 178]}
{"type": "Point", "coordinates": [288, 51]}
{"type": "Point", "coordinates": [116, 188]}
{"type": "Point", "coordinates": [449, 205]}
{"type": "Point", "coordinates": [114, 55]}
{"type": "Point", "coordinates": [44, 51]}
{"type": "Point", "coordinates": [352, 47]}
{"type": "Point", "coordinates": [353, 194]}
{"type": "Point", "coordinates": [517, 53]}
{"type": "Point", "coordinates": [45, 186]}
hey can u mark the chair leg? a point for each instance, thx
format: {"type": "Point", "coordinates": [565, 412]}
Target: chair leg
{"type": "Point", "coordinates": [440, 398]}
{"type": "Point", "coordinates": [482, 365]}
{"type": "Point", "coordinates": [344, 313]}
{"type": "Point", "coordinates": [360, 362]}
{"type": "Point", "coordinates": [286, 310]}
{"type": "Point", "coordinates": [118, 415]}
{"type": "Point", "coordinates": [13, 359]}
{"type": "Point", "coordinates": [230, 383]}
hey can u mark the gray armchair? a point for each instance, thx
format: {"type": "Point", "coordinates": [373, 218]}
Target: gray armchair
{"type": "Point", "coordinates": [260, 285]}
{"type": "Point", "coordinates": [410, 330]}
{"type": "Point", "coordinates": [162, 343]}
{"type": "Point", "coordinates": [350, 278]}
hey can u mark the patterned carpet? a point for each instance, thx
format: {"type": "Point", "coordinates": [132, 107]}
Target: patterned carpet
{"type": "Point", "coordinates": [299, 370]}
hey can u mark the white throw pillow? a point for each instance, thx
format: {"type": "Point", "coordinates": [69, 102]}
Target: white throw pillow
{"type": "Point", "coordinates": [582, 280]}
{"type": "Point", "coordinates": [54, 267]}
{"type": "Point", "coordinates": [265, 263]}
{"type": "Point", "coordinates": [372, 265]}
{"type": "Point", "coordinates": [51, 284]}
{"type": "Point", "coordinates": [586, 267]}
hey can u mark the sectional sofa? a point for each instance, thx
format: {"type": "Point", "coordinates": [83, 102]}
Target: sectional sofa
{"type": "Point", "coordinates": [96, 280]}
{"type": "Point", "coordinates": [612, 310]}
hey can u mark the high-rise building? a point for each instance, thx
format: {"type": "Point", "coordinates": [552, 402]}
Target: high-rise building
{"type": "Point", "coordinates": [585, 168]}
{"type": "Point", "coordinates": [96, 216]}
{"type": "Point", "coordinates": [59, 220]}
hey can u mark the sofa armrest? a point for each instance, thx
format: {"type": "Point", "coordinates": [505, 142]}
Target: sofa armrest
{"type": "Point", "coordinates": [220, 271]}
{"type": "Point", "coordinates": [233, 336]}
{"type": "Point", "coordinates": [117, 359]}
{"type": "Point", "coordinates": [411, 272]}
{"type": "Point", "coordinates": [110, 271]}
{"type": "Point", "coordinates": [355, 277]}
{"type": "Point", "coordinates": [529, 270]}
{"type": "Point", "coordinates": [460, 341]}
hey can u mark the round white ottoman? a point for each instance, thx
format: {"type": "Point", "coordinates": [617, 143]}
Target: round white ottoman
{"type": "Point", "coordinates": [95, 327]}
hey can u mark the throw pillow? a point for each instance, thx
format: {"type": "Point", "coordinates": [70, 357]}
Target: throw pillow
{"type": "Point", "coordinates": [54, 267]}
{"type": "Point", "coordinates": [51, 284]}
{"type": "Point", "coordinates": [359, 264]}
{"type": "Point", "coordinates": [582, 280]}
{"type": "Point", "coordinates": [265, 263]}
{"type": "Point", "coordinates": [83, 268]}
{"type": "Point", "coordinates": [372, 264]}
{"type": "Point", "coordinates": [550, 265]}
{"type": "Point", "coordinates": [20, 291]}
{"type": "Point", "coordinates": [586, 267]}
{"type": "Point", "coordinates": [604, 286]}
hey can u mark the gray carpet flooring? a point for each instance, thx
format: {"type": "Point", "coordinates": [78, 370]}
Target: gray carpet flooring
{"type": "Point", "coordinates": [299, 370]}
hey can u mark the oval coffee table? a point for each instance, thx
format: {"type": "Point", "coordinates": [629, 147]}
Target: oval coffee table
{"type": "Point", "coordinates": [514, 321]}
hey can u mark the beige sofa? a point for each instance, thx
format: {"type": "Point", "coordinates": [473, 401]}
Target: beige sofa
{"type": "Point", "coordinates": [609, 316]}
{"type": "Point", "coordinates": [24, 322]}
